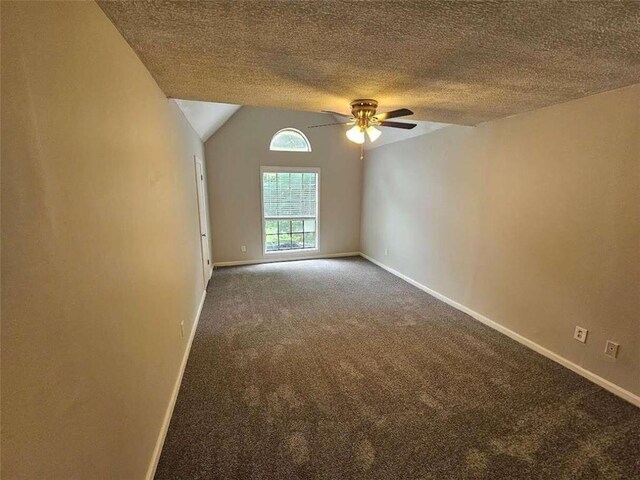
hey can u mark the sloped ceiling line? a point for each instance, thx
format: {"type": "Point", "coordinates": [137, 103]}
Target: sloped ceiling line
{"type": "Point", "coordinates": [206, 117]}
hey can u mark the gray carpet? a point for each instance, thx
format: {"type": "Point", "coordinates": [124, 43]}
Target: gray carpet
{"type": "Point", "coordinates": [336, 369]}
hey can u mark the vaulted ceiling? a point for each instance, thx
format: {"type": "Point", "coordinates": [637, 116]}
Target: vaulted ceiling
{"type": "Point", "coordinates": [206, 117]}
{"type": "Point", "coordinates": [461, 62]}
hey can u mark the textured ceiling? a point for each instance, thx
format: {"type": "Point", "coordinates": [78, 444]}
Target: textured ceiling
{"type": "Point", "coordinates": [456, 62]}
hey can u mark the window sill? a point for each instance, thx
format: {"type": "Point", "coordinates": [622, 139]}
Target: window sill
{"type": "Point", "coordinates": [286, 252]}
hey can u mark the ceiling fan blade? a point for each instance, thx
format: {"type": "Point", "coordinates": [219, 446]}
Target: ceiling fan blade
{"type": "Point", "coordinates": [402, 112]}
{"type": "Point", "coordinates": [328, 124]}
{"type": "Point", "coordinates": [406, 126]}
{"type": "Point", "coordinates": [336, 113]}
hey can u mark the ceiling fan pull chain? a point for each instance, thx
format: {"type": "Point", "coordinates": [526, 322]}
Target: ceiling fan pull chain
{"type": "Point", "coordinates": [362, 151]}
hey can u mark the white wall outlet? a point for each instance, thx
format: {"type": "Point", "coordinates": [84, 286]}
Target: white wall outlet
{"type": "Point", "coordinates": [581, 334]}
{"type": "Point", "coordinates": [182, 329]}
{"type": "Point", "coordinates": [611, 349]}
{"type": "Point", "coordinates": [243, 248]}
{"type": "Point", "coordinates": [386, 252]}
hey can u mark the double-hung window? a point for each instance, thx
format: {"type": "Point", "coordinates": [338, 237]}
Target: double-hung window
{"type": "Point", "coordinates": [290, 208]}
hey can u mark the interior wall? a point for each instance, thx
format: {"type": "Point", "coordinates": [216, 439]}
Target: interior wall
{"type": "Point", "coordinates": [234, 156]}
{"type": "Point", "coordinates": [532, 221]}
{"type": "Point", "coordinates": [101, 257]}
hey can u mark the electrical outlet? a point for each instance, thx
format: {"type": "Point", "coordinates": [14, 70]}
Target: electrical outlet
{"type": "Point", "coordinates": [243, 248]}
{"type": "Point", "coordinates": [386, 252]}
{"type": "Point", "coordinates": [611, 349]}
{"type": "Point", "coordinates": [581, 334]}
{"type": "Point", "coordinates": [182, 329]}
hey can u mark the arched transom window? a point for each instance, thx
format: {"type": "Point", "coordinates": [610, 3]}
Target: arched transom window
{"type": "Point", "coordinates": [290, 140]}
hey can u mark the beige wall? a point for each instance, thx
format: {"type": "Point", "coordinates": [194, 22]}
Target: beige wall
{"type": "Point", "coordinates": [234, 155]}
{"type": "Point", "coordinates": [532, 221]}
{"type": "Point", "coordinates": [101, 257]}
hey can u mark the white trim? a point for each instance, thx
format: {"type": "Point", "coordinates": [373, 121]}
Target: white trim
{"type": "Point", "coordinates": [174, 396]}
{"type": "Point", "coordinates": [288, 253]}
{"type": "Point", "coordinates": [598, 380]}
{"type": "Point", "coordinates": [266, 169]}
{"type": "Point", "coordinates": [285, 259]}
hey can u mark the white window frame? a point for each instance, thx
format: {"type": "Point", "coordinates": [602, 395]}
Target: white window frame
{"type": "Point", "coordinates": [285, 253]}
{"type": "Point", "coordinates": [289, 129]}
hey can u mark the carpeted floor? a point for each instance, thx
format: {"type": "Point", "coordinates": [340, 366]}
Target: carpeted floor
{"type": "Point", "coordinates": [336, 369]}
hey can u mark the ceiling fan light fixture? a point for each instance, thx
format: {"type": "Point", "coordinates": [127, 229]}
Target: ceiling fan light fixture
{"type": "Point", "coordinates": [373, 133]}
{"type": "Point", "coordinates": [365, 117]}
{"type": "Point", "coordinates": [356, 135]}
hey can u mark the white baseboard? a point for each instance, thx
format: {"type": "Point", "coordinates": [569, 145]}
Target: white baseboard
{"type": "Point", "coordinates": [284, 259]}
{"type": "Point", "coordinates": [604, 383]}
{"type": "Point", "coordinates": [174, 396]}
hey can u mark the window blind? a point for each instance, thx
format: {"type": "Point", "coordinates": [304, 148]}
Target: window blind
{"type": "Point", "coordinates": [289, 194]}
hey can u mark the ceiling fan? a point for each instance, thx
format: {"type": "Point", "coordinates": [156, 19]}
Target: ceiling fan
{"type": "Point", "coordinates": [364, 120]}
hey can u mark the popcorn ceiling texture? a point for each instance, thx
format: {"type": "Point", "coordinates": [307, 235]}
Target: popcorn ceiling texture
{"type": "Point", "coordinates": [453, 62]}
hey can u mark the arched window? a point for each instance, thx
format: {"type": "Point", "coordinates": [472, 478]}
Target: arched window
{"type": "Point", "coordinates": [290, 140]}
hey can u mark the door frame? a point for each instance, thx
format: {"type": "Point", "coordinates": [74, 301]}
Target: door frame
{"type": "Point", "coordinates": [207, 268]}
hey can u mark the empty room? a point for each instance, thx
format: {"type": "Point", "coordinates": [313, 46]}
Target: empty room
{"type": "Point", "coordinates": [320, 240]}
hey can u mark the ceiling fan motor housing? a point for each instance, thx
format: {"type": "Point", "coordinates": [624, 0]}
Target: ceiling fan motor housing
{"type": "Point", "coordinates": [363, 110]}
